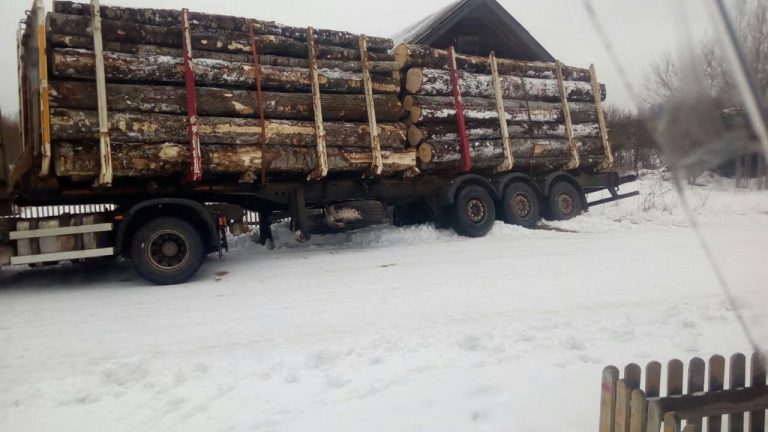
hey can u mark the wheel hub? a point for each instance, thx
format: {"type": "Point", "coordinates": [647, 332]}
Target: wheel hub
{"type": "Point", "coordinates": [565, 202]}
{"type": "Point", "coordinates": [168, 250]}
{"type": "Point", "coordinates": [476, 210]}
{"type": "Point", "coordinates": [522, 205]}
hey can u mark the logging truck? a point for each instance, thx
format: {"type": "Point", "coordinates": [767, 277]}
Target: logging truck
{"type": "Point", "coordinates": [152, 134]}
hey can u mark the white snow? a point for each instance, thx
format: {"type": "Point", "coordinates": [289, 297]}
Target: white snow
{"type": "Point", "coordinates": [387, 329]}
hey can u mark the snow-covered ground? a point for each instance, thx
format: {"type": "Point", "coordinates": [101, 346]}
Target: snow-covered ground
{"type": "Point", "coordinates": [387, 329]}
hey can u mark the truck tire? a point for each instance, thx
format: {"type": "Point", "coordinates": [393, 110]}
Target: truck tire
{"type": "Point", "coordinates": [521, 205]}
{"type": "Point", "coordinates": [564, 201]}
{"type": "Point", "coordinates": [167, 251]}
{"type": "Point", "coordinates": [474, 212]}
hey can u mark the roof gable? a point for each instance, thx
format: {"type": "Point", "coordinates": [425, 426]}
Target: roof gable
{"type": "Point", "coordinates": [509, 36]}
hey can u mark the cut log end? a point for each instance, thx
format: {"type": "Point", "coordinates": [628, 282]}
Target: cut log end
{"type": "Point", "coordinates": [413, 80]}
{"type": "Point", "coordinates": [415, 135]}
{"type": "Point", "coordinates": [425, 153]}
{"type": "Point", "coordinates": [415, 115]}
{"type": "Point", "coordinates": [402, 54]}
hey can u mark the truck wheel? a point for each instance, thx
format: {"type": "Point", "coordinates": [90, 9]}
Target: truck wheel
{"type": "Point", "coordinates": [520, 205]}
{"type": "Point", "coordinates": [474, 212]}
{"type": "Point", "coordinates": [167, 251]}
{"type": "Point", "coordinates": [564, 201]}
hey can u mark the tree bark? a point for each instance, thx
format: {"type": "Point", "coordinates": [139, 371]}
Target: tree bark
{"type": "Point", "coordinates": [126, 32]}
{"type": "Point", "coordinates": [422, 56]}
{"type": "Point", "coordinates": [85, 42]}
{"type": "Point", "coordinates": [528, 152]}
{"type": "Point", "coordinates": [485, 131]}
{"type": "Point", "coordinates": [442, 109]}
{"type": "Point", "coordinates": [172, 18]}
{"type": "Point", "coordinates": [72, 125]}
{"type": "Point", "coordinates": [79, 64]}
{"type": "Point", "coordinates": [436, 82]}
{"type": "Point", "coordinates": [81, 95]}
{"type": "Point", "coordinates": [81, 160]}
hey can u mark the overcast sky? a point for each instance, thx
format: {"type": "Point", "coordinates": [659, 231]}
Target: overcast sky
{"type": "Point", "coordinates": [640, 30]}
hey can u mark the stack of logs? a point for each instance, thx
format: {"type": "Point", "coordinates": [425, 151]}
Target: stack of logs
{"type": "Point", "coordinates": [533, 98]}
{"type": "Point", "coordinates": [148, 103]}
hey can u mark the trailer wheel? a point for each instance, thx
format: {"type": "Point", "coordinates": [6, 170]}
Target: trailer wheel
{"type": "Point", "coordinates": [521, 206]}
{"type": "Point", "coordinates": [167, 251]}
{"type": "Point", "coordinates": [474, 212]}
{"type": "Point", "coordinates": [564, 201]}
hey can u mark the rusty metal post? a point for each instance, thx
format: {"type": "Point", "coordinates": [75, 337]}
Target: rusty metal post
{"type": "Point", "coordinates": [45, 121]}
{"type": "Point", "coordinates": [462, 125]}
{"type": "Point", "coordinates": [195, 173]}
{"type": "Point", "coordinates": [260, 100]}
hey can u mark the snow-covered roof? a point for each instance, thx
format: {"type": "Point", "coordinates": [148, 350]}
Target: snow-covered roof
{"type": "Point", "coordinates": [427, 30]}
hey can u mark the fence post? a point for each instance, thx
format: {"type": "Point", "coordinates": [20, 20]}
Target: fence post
{"type": "Point", "coordinates": [608, 398]}
{"type": "Point", "coordinates": [757, 378]}
{"type": "Point", "coordinates": [696, 372]}
{"type": "Point", "coordinates": [638, 411]}
{"type": "Point", "coordinates": [737, 376]}
{"type": "Point", "coordinates": [716, 380]}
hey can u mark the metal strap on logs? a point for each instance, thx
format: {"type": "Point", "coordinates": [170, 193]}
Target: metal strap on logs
{"type": "Point", "coordinates": [322, 154]}
{"type": "Point", "coordinates": [376, 162]}
{"type": "Point", "coordinates": [195, 173]}
{"type": "Point", "coordinates": [608, 162]}
{"type": "Point", "coordinates": [260, 97]}
{"type": "Point", "coordinates": [105, 146]}
{"type": "Point", "coordinates": [45, 122]}
{"type": "Point", "coordinates": [575, 160]}
{"type": "Point", "coordinates": [461, 123]}
{"type": "Point", "coordinates": [508, 158]}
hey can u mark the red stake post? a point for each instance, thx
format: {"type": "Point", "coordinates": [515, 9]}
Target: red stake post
{"type": "Point", "coordinates": [462, 125]}
{"type": "Point", "coordinates": [195, 173]}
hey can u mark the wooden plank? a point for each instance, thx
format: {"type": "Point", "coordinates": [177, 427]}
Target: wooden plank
{"type": "Point", "coordinates": [376, 166]}
{"type": "Point", "coordinates": [671, 422]}
{"type": "Point", "coordinates": [653, 379]}
{"type": "Point", "coordinates": [608, 398]}
{"type": "Point", "coordinates": [322, 155]}
{"type": "Point", "coordinates": [638, 411]}
{"type": "Point", "coordinates": [508, 158]}
{"type": "Point", "coordinates": [655, 416]}
{"type": "Point", "coordinates": [757, 376]}
{"type": "Point", "coordinates": [62, 256]}
{"type": "Point", "coordinates": [737, 379]}
{"type": "Point", "coordinates": [105, 147]}
{"type": "Point", "coordinates": [575, 162]}
{"type": "Point", "coordinates": [716, 383]}
{"type": "Point", "coordinates": [632, 373]}
{"type": "Point", "coordinates": [52, 232]}
{"type": "Point", "coordinates": [716, 403]}
{"type": "Point", "coordinates": [696, 372]}
{"type": "Point", "coordinates": [623, 395]}
{"type": "Point", "coordinates": [608, 163]}
{"type": "Point", "coordinates": [674, 377]}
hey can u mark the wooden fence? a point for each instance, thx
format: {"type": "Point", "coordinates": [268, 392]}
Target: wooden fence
{"type": "Point", "coordinates": [635, 403]}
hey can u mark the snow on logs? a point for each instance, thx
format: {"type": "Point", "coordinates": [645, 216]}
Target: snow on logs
{"type": "Point", "coordinates": [147, 100]}
{"type": "Point", "coordinates": [532, 105]}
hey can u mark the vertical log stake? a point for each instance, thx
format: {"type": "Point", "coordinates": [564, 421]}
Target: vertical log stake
{"type": "Point", "coordinates": [376, 164]}
{"type": "Point", "coordinates": [608, 162]}
{"type": "Point", "coordinates": [322, 154]}
{"type": "Point", "coordinates": [195, 173]}
{"type": "Point", "coordinates": [575, 162]}
{"type": "Point", "coordinates": [260, 97]}
{"type": "Point", "coordinates": [105, 146]}
{"type": "Point", "coordinates": [462, 125]}
{"type": "Point", "coordinates": [508, 158]}
{"type": "Point", "coordinates": [45, 122]}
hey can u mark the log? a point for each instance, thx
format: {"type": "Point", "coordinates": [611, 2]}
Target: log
{"type": "Point", "coordinates": [483, 131]}
{"type": "Point", "coordinates": [442, 109]}
{"type": "Point", "coordinates": [79, 64]}
{"type": "Point", "coordinates": [86, 43]}
{"type": "Point", "coordinates": [436, 82]}
{"type": "Point", "coordinates": [72, 125]}
{"type": "Point", "coordinates": [81, 160]}
{"type": "Point", "coordinates": [172, 18]}
{"type": "Point", "coordinates": [81, 95]}
{"type": "Point", "coordinates": [126, 32]}
{"type": "Point", "coordinates": [528, 152]}
{"type": "Point", "coordinates": [423, 56]}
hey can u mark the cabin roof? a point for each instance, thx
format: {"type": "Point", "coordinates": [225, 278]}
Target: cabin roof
{"type": "Point", "coordinates": [429, 29]}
